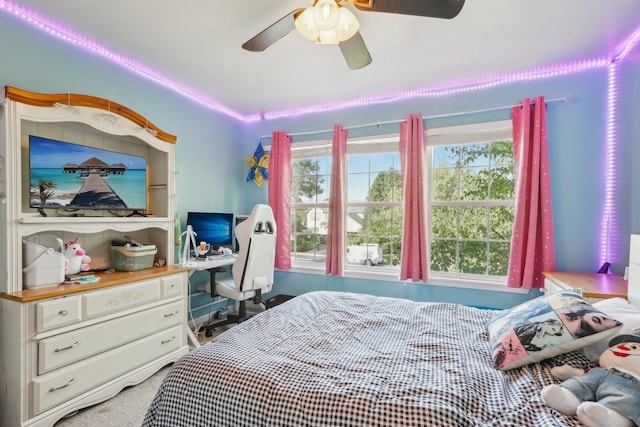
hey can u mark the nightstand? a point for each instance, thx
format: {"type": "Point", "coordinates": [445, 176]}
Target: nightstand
{"type": "Point", "coordinates": [592, 286]}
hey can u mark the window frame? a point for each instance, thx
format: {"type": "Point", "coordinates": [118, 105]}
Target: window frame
{"type": "Point", "coordinates": [476, 133]}
{"type": "Point", "coordinates": [459, 134]}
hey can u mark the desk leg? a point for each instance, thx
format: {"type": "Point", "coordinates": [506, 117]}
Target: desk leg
{"type": "Point", "coordinates": [192, 337]}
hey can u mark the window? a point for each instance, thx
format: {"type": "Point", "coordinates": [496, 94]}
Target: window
{"type": "Point", "coordinates": [471, 180]}
{"type": "Point", "coordinates": [472, 200]}
{"type": "Point", "coordinates": [311, 181]}
{"type": "Point", "coordinates": [374, 209]}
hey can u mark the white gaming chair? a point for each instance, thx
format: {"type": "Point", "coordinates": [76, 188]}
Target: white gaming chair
{"type": "Point", "coordinates": [252, 272]}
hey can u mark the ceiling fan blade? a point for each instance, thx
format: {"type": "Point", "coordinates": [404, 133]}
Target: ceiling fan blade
{"type": "Point", "coordinates": [355, 52]}
{"type": "Point", "coordinates": [445, 9]}
{"type": "Point", "coordinates": [273, 32]}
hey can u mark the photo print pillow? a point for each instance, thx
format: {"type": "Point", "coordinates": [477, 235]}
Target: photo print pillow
{"type": "Point", "coordinates": [546, 326]}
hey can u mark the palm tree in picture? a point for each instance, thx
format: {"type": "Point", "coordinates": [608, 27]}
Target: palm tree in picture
{"type": "Point", "coordinates": [46, 190]}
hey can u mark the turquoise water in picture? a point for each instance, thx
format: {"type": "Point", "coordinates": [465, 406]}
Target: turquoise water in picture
{"type": "Point", "coordinates": [130, 187]}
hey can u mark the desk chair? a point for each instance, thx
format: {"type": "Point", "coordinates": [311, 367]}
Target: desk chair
{"type": "Point", "coordinates": [252, 272]}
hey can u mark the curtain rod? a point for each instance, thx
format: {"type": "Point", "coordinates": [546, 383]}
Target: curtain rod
{"type": "Point", "coordinates": [438, 116]}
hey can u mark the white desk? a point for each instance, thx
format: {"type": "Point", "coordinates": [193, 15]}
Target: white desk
{"type": "Point", "coordinates": [212, 262]}
{"type": "Point", "coordinates": [194, 265]}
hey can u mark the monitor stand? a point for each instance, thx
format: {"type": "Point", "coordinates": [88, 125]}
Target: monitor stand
{"type": "Point", "coordinates": [136, 213]}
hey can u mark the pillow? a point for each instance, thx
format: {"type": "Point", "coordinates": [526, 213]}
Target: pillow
{"type": "Point", "coordinates": [546, 326]}
{"type": "Point", "coordinates": [619, 309]}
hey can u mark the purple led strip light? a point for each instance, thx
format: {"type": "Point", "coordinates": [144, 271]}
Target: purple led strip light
{"type": "Point", "coordinates": [609, 235]}
{"type": "Point", "coordinates": [447, 89]}
{"type": "Point", "coordinates": [81, 42]}
{"type": "Point", "coordinates": [609, 231]}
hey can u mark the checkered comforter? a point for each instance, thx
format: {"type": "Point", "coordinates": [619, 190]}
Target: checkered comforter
{"type": "Point", "coordinates": [345, 359]}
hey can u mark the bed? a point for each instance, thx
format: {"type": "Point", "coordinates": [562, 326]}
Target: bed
{"type": "Point", "coordinates": [346, 359]}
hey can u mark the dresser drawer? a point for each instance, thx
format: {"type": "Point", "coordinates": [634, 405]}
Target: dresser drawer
{"type": "Point", "coordinates": [120, 297]}
{"type": "Point", "coordinates": [172, 285]}
{"type": "Point", "coordinates": [70, 347]}
{"type": "Point", "coordinates": [63, 384]}
{"type": "Point", "coordinates": [58, 312]}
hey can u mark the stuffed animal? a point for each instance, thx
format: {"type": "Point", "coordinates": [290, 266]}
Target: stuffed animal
{"type": "Point", "coordinates": [78, 260]}
{"type": "Point", "coordinates": [604, 396]}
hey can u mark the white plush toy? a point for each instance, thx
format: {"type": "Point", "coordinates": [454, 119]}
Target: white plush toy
{"type": "Point", "coordinates": [77, 258]}
{"type": "Point", "coordinates": [605, 396]}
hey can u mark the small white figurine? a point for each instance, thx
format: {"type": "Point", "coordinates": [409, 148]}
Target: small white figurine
{"type": "Point", "coordinates": [77, 258]}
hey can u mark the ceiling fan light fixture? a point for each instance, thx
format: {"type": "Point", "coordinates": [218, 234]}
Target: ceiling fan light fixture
{"type": "Point", "coordinates": [326, 14]}
{"type": "Point", "coordinates": [346, 25]}
{"type": "Point", "coordinates": [306, 26]}
{"type": "Point", "coordinates": [328, 37]}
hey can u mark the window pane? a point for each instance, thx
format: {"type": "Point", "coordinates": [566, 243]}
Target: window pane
{"type": "Point", "coordinates": [323, 185]}
{"type": "Point", "coordinates": [308, 184]}
{"type": "Point", "coordinates": [444, 221]}
{"type": "Point", "coordinates": [309, 234]}
{"type": "Point", "coordinates": [358, 186]}
{"type": "Point", "coordinates": [473, 222]}
{"type": "Point", "coordinates": [472, 239]}
{"type": "Point", "coordinates": [358, 163]}
{"type": "Point", "coordinates": [445, 184]}
{"type": "Point", "coordinates": [501, 223]}
{"type": "Point", "coordinates": [502, 185]}
{"type": "Point", "coordinates": [502, 153]}
{"type": "Point", "coordinates": [386, 186]}
{"type": "Point", "coordinates": [444, 255]}
{"type": "Point", "coordinates": [324, 165]}
{"type": "Point", "coordinates": [499, 258]}
{"type": "Point", "coordinates": [444, 157]}
{"type": "Point", "coordinates": [473, 257]}
{"type": "Point", "coordinates": [473, 155]}
{"type": "Point", "coordinates": [384, 161]}
{"type": "Point", "coordinates": [374, 177]}
{"type": "Point", "coordinates": [392, 249]}
{"type": "Point", "coordinates": [374, 230]}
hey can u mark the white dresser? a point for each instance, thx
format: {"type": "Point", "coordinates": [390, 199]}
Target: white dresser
{"type": "Point", "coordinates": [71, 346]}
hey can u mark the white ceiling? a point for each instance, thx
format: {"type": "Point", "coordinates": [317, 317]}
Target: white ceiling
{"type": "Point", "coordinates": [197, 45]}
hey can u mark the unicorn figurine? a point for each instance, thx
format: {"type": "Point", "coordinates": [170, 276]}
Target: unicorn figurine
{"type": "Point", "coordinates": [78, 260]}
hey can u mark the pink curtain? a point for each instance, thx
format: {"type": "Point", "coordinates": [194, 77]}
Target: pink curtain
{"type": "Point", "coordinates": [532, 242]}
{"type": "Point", "coordinates": [280, 195]}
{"type": "Point", "coordinates": [414, 261]}
{"type": "Point", "coordinates": [336, 232]}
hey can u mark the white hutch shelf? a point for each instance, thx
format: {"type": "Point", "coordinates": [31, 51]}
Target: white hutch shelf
{"type": "Point", "coordinates": [65, 347]}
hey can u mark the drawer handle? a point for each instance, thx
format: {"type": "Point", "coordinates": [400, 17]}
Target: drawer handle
{"type": "Point", "coordinates": [171, 314]}
{"type": "Point", "coordinates": [75, 344]}
{"type": "Point", "coordinates": [63, 313]}
{"type": "Point", "coordinates": [54, 388]}
{"type": "Point", "coordinates": [169, 340]}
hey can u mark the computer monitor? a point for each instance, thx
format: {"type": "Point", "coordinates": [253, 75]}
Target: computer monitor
{"type": "Point", "coordinates": [215, 228]}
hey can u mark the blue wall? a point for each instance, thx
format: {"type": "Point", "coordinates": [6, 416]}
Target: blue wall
{"type": "Point", "coordinates": [577, 135]}
{"type": "Point", "coordinates": [211, 148]}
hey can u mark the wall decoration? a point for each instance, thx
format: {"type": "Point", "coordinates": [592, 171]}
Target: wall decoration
{"type": "Point", "coordinates": [258, 164]}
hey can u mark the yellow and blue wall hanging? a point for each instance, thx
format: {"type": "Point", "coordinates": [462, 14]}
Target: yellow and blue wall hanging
{"type": "Point", "coordinates": [258, 164]}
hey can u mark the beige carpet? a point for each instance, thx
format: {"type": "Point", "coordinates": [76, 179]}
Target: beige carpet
{"type": "Point", "coordinates": [127, 409]}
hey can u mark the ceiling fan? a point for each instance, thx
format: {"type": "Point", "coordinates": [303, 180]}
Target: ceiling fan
{"type": "Point", "coordinates": [328, 22]}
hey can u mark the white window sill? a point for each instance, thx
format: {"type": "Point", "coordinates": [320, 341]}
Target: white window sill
{"type": "Point", "coordinates": [391, 275]}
